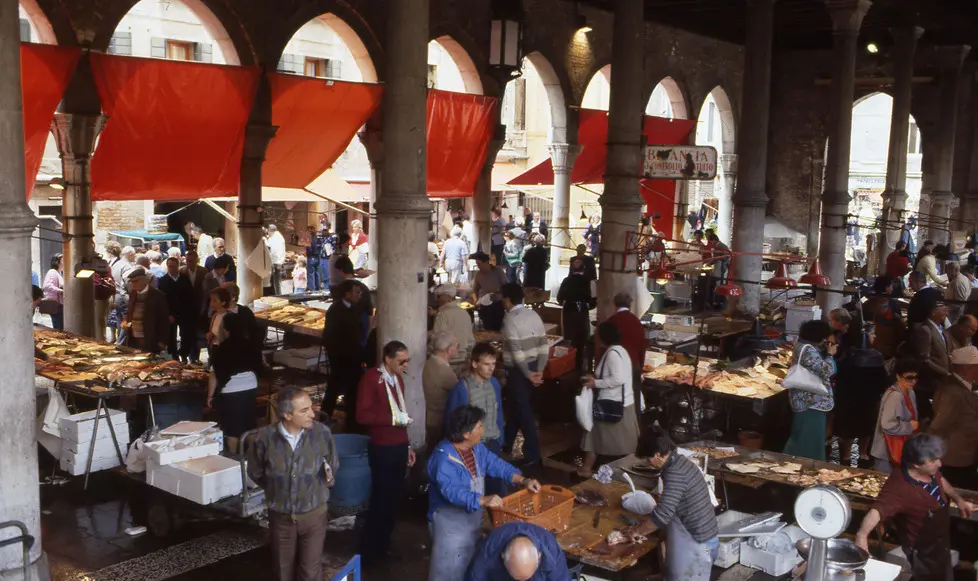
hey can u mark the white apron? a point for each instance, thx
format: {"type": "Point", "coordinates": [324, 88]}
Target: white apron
{"type": "Point", "coordinates": [455, 533]}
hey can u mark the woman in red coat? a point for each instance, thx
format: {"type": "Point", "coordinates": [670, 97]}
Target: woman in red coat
{"type": "Point", "coordinates": [382, 410]}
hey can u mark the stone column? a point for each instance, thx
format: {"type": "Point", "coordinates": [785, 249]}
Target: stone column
{"type": "Point", "coordinates": [563, 156]}
{"type": "Point", "coordinates": [950, 59]}
{"type": "Point", "coordinates": [482, 197]}
{"type": "Point", "coordinates": [750, 198]}
{"type": "Point", "coordinates": [403, 209]}
{"type": "Point", "coordinates": [847, 17]}
{"type": "Point", "coordinates": [20, 500]}
{"type": "Point", "coordinates": [895, 194]}
{"type": "Point", "coordinates": [250, 212]}
{"type": "Point", "coordinates": [373, 141]}
{"type": "Point", "coordinates": [75, 135]}
{"type": "Point", "coordinates": [971, 197]}
{"type": "Point", "coordinates": [621, 204]}
{"type": "Point", "coordinates": [728, 163]}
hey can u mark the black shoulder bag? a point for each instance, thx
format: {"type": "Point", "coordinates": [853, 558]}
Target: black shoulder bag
{"type": "Point", "coordinates": [606, 410]}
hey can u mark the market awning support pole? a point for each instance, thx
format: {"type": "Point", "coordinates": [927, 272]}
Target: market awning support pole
{"type": "Point", "coordinates": [728, 162]}
{"type": "Point", "coordinates": [482, 197]}
{"type": "Point", "coordinates": [950, 59]}
{"type": "Point", "coordinates": [373, 141]}
{"type": "Point", "coordinates": [563, 156]}
{"type": "Point", "coordinates": [403, 209]}
{"type": "Point", "coordinates": [621, 204]}
{"type": "Point", "coordinates": [250, 215]}
{"type": "Point", "coordinates": [75, 136]}
{"type": "Point", "coordinates": [20, 500]}
{"type": "Point", "coordinates": [895, 194]}
{"type": "Point", "coordinates": [750, 199]}
{"type": "Point", "coordinates": [847, 17]}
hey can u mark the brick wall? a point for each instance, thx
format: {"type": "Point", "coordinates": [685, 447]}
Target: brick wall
{"type": "Point", "coordinates": [116, 216]}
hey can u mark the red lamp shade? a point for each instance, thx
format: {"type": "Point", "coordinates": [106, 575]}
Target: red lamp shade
{"type": "Point", "coordinates": [781, 280]}
{"type": "Point", "coordinates": [815, 276]}
{"type": "Point", "coordinates": [661, 271]}
{"type": "Point", "coordinates": [729, 289]}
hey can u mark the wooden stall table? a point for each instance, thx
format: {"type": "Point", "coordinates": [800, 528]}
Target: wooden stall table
{"type": "Point", "coordinates": [585, 532]}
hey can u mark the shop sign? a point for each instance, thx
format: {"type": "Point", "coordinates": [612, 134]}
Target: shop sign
{"type": "Point", "coordinates": [680, 162]}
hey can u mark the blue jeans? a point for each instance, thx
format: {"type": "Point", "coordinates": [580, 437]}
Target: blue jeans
{"type": "Point", "coordinates": [315, 283]}
{"type": "Point", "coordinates": [58, 319]}
{"type": "Point", "coordinates": [324, 273]}
{"type": "Point", "coordinates": [519, 416]}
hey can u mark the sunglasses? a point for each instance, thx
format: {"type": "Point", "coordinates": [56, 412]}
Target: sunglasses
{"type": "Point", "coordinates": [910, 377]}
{"type": "Point", "coordinates": [402, 362]}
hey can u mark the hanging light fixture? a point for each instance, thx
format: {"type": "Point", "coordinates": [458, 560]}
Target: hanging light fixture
{"type": "Point", "coordinates": [661, 273]}
{"type": "Point", "coordinates": [815, 276]}
{"type": "Point", "coordinates": [506, 37]}
{"type": "Point", "coordinates": [781, 280]}
{"type": "Point", "coordinates": [729, 288]}
{"type": "Point", "coordinates": [584, 217]}
{"type": "Point", "coordinates": [505, 206]}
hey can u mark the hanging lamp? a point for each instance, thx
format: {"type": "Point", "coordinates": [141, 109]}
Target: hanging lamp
{"type": "Point", "coordinates": [814, 276]}
{"type": "Point", "coordinates": [781, 280]}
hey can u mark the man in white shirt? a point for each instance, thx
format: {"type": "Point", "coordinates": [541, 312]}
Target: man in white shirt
{"type": "Point", "coordinates": [205, 244]}
{"type": "Point", "coordinates": [276, 248]}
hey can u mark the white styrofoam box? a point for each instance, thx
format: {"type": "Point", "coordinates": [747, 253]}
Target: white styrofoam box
{"type": "Point", "coordinates": [121, 435]}
{"type": "Point", "coordinates": [728, 552]}
{"type": "Point", "coordinates": [795, 315]}
{"type": "Point", "coordinates": [204, 480]}
{"type": "Point", "coordinates": [80, 427]}
{"type": "Point", "coordinates": [173, 450]}
{"type": "Point", "coordinates": [68, 464]}
{"type": "Point", "coordinates": [774, 564]}
{"type": "Point", "coordinates": [101, 452]}
{"type": "Point", "coordinates": [186, 428]}
{"type": "Point", "coordinates": [898, 557]}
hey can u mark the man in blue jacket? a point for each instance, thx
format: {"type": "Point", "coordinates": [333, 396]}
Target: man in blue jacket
{"type": "Point", "coordinates": [457, 470]}
{"type": "Point", "coordinates": [519, 552]}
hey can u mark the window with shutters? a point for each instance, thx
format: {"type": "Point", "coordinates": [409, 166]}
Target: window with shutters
{"type": "Point", "coordinates": [121, 43]}
{"type": "Point", "coordinates": [711, 121]}
{"type": "Point", "coordinates": [432, 76]}
{"type": "Point", "coordinates": [25, 30]}
{"type": "Point", "coordinates": [334, 69]}
{"type": "Point", "coordinates": [291, 63]}
{"type": "Point", "coordinates": [316, 67]}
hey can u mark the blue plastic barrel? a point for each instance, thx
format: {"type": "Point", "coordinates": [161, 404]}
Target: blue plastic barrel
{"type": "Point", "coordinates": [351, 492]}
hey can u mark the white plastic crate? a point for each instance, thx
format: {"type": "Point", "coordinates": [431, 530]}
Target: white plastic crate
{"type": "Point", "coordinates": [121, 434]}
{"type": "Point", "coordinates": [204, 480]}
{"type": "Point", "coordinates": [173, 450]}
{"type": "Point", "coordinates": [80, 427]}
{"type": "Point", "coordinates": [76, 467]}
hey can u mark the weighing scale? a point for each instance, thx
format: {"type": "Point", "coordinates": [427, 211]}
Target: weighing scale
{"type": "Point", "coordinates": [823, 512]}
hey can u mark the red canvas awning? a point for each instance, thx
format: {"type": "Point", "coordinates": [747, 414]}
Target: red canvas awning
{"type": "Point", "coordinates": [45, 72]}
{"type": "Point", "coordinates": [316, 120]}
{"type": "Point", "coordinates": [175, 130]}
{"type": "Point", "coordinates": [459, 129]}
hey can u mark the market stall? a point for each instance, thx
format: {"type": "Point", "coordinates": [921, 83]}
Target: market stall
{"type": "Point", "coordinates": [293, 318]}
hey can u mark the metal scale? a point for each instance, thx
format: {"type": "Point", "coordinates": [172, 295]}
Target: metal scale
{"type": "Point", "coordinates": [824, 512]}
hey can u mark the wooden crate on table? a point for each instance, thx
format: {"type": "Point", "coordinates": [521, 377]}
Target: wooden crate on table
{"type": "Point", "coordinates": [551, 508]}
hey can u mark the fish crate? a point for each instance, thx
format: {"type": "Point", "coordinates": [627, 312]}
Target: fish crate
{"type": "Point", "coordinates": [551, 508]}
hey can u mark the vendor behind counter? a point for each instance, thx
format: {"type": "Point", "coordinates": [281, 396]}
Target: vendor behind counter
{"type": "Point", "coordinates": [486, 291]}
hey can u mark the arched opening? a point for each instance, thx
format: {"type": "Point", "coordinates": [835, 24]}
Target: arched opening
{"type": "Point", "coordinates": [34, 25]}
{"type": "Point", "coordinates": [173, 29]}
{"type": "Point", "coordinates": [450, 68]}
{"type": "Point", "coordinates": [869, 148]}
{"type": "Point", "coordinates": [714, 128]}
{"type": "Point", "coordinates": [597, 95]}
{"type": "Point", "coordinates": [328, 47]}
{"type": "Point", "coordinates": [667, 100]}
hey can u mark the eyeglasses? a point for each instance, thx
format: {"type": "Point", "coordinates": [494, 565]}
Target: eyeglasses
{"type": "Point", "coordinates": [910, 377]}
{"type": "Point", "coordinates": [402, 362]}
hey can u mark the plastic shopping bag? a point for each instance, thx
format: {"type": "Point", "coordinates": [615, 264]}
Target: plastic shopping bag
{"type": "Point", "coordinates": [584, 403]}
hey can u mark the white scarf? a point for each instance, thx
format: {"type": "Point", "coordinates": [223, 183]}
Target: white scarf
{"type": "Point", "coordinates": [398, 404]}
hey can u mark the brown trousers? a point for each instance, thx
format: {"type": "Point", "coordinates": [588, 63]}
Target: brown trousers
{"type": "Point", "coordinates": [297, 546]}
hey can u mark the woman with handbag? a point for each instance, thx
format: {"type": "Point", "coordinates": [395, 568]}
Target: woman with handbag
{"type": "Point", "coordinates": [809, 381]}
{"type": "Point", "coordinates": [615, 431]}
{"type": "Point", "coordinates": [897, 420]}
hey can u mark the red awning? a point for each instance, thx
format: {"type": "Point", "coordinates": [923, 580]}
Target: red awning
{"type": "Point", "coordinates": [45, 72]}
{"type": "Point", "coordinates": [175, 130]}
{"type": "Point", "coordinates": [316, 120]}
{"type": "Point", "coordinates": [459, 129]}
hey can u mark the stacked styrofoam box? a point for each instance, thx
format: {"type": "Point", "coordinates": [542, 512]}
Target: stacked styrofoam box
{"type": "Point", "coordinates": [305, 358]}
{"type": "Point", "coordinates": [76, 434]}
{"type": "Point", "coordinates": [774, 564]}
{"type": "Point", "coordinates": [202, 480]}
{"type": "Point", "coordinates": [180, 449]}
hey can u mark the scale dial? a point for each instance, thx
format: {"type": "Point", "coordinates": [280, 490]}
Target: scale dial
{"type": "Point", "coordinates": [823, 511]}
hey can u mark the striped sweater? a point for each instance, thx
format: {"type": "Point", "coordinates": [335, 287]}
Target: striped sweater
{"type": "Point", "coordinates": [524, 341]}
{"type": "Point", "coordinates": [685, 496]}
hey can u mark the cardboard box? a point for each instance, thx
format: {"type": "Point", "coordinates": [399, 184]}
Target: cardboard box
{"type": "Point", "coordinates": [80, 427]}
{"type": "Point", "coordinates": [204, 480]}
{"type": "Point", "coordinates": [173, 450]}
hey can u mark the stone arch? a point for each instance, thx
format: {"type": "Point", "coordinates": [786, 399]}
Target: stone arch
{"type": "Point", "coordinates": [41, 23]}
{"type": "Point", "coordinates": [471, 79]}
{"type": "Point", "coordinates": [555, 97]}
{"type": "Point", "coordinates": [728, 126]}
{"type": "Point", "coordinates": [676, 96]}
{"type": "Point", "coordinates": [220, 21]}
{"type": "Point", "coordinates": [348, 24]}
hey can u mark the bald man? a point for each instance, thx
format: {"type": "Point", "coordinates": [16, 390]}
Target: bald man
{"type": "Point", "coordinates": [518, 552]}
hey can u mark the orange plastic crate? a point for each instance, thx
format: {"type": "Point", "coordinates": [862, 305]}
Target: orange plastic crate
{"type": "Point", "coordinates": [551, 508]}
{"type": "Point", "coordinates": [557, 366]}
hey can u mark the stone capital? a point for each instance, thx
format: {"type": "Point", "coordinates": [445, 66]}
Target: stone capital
{"type": "Point", "coordinates": [950, 58]}
{"type": "Point", "coordinates": [906, 36]}
{"type": "Point", "coordinates": [728, 163]}
{"type": "Point", "coordinates": [75, 134]}
{"type": "Point", "coordinates": [372, 139]}
{"type": "Point", "coordinates": [257, 138]}
{"type": "Point", "coordinates": [940, 197]}
{"type": "Point", "coordinates": [847, 15]}
{"type": "Point", "coordinates": [16, 218]}
{"type": "Point", "coordinates": [408, 205]}
{"type": "Point", "coordinates": [563, 156]}
{"type": "Point", "coordinates": [492, 152]}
